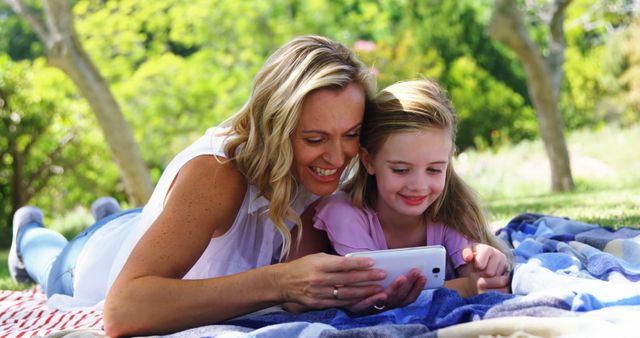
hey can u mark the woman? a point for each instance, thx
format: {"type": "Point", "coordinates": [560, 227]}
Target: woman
{"type": "Point", "coordinates": [226, 208]}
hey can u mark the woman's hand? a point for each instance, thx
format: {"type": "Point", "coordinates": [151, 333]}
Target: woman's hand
{"type": "Point", "coordinates": [320, 281]}
{"type": "Point", "coordinates": [403, 291]}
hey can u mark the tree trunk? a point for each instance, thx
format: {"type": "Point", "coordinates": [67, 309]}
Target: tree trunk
{"type": "Point", "coordinates": [65, 52]}
{"type": "Point", "coordinates": [544, 79]}
{"type": "Point", "coordinates": [18, 191]}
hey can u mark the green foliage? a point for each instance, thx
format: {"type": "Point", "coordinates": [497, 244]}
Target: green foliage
{"type": "Point", "coordinates": [63, 156]}
{"type": "Point", "coordinates": [18, 40]}
{"type": "Point", "coordinates": [631, 76]}
{"type": "Point", "coordinates": [599, 37]}
{"type": "Point", "coordinates": [178, 67]}
{"type": "Point", "coordinates": [489, 112]}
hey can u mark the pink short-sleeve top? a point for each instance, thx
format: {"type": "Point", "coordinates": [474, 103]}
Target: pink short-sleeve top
{"type": "Point", "coordinates": [352, 229]}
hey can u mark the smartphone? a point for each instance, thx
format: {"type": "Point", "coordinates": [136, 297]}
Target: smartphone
{"type": "Point", "coordinates": [430, 260]}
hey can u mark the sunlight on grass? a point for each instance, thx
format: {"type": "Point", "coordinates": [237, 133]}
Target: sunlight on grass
{"type": "Point", "coordinates": [606, 170]}
{"type": "Point", "coordinates": [613, 208]}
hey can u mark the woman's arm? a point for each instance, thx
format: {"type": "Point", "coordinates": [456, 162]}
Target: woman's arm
{"type": "Point", "coordinates": [149, 296]}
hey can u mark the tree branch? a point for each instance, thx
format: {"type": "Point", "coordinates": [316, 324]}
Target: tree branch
{"type": "Point", "coordinates": [556, 30]}
{"type": "Point", "coordinates": [34, 190]}
{"type": "Point", "coordinates": [3, 152]}
{"type": "Point", "coordinates": [32, 17]}
{"type": "Point", "coordinates": [508, 27]}
{"type": "Point", "coordinates": [59, 16]}
{"type": "Point", "coordinates": [34, 138]}
{"type": "Point", "coordinates": [53, 156]}
{"type": "Point", "coordinates": [557, 44]}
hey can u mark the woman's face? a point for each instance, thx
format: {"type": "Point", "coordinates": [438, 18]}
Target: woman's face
{"type": "Point", "coordinates": [326, 137]}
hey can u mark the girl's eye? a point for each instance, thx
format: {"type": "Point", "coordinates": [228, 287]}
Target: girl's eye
{"type": "Point", "coordinates": [399, 170]}
{"type": "Point", "coordinates": [434, 170]}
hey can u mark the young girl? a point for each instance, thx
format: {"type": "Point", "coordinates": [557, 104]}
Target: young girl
{"type": "Point", "coordinates": [406, 193]}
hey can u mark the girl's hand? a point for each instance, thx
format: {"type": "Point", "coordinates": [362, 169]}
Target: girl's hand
{"type": "Point", "coordinates": [500, 283]}
{"type": "Point", "coordinates": [486, 270]}
{"type": "Point", "coordinates": [485, 260]}
{"type": "Point", "coordinates": [312, 281]}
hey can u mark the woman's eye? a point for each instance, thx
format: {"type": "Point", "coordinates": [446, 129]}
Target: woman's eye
{"type": "Point", "coordinates": [353, 135]}
{"type": "Point", "coordinates": [314, 140]}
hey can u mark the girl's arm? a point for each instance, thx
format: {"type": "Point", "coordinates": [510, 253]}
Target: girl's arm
{"type": "Point", "coordinates": [149, 296]}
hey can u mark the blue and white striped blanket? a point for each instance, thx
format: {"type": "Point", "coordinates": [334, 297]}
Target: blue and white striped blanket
{"type": "Point", "coordinates": [571, 279]}
{"type": "Point", "coordinates": [577, 271]}
{"type": "Point", "coordinates": [586, 266]}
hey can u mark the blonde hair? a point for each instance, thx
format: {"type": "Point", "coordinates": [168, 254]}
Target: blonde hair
{"type": "Point", "coordinates": [260, 146]}
{"type": "Point", "coordinates": [412, 106]}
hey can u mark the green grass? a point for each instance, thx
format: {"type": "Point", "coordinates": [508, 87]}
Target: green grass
{"type": "Point", "coordinates": [6, 283]}
{"type": "Point", "coordinates": [614, 208]}
{"type": "Point", "coordinates": [515, 179]}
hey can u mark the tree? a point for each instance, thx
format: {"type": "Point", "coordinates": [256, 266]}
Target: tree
{"type": "Point", "coordinates": [31, 153]}
{"type": "Point", "coordinates": [544, 77]}
{"type": "Point", "coordinates": [65, 51]}
{"type": "Point", "coordinates": [631, 76]}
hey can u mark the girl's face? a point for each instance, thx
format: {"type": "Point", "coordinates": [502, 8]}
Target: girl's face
{"type": "Point", "coordinates": [410, 170]}
{"type": "Point", "coordinates": [326, 137]}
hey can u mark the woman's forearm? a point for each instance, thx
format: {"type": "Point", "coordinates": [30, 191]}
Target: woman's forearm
{"type": "Point", "coordinates": [152, 305]}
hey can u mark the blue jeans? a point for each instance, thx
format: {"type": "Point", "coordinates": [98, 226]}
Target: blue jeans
{"type": "Point", "coordinates": [50, 259]}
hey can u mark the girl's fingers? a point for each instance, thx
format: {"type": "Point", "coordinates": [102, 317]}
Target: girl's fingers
{"type": "Point", "coordinates": [493, 283]}
{"type": "Point", "coordinates": [468, 254]}
{"type": "Point", "coordinates": [481, 259]}
{"type": "Point", "coordinates": [492, 267]}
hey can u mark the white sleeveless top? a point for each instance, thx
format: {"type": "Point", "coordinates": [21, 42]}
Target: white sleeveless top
{"type": "Point", "coordinates": [252, 241]}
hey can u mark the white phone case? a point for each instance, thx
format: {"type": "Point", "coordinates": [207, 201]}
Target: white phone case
{"type": "Point", "coordinates": [430, 260]}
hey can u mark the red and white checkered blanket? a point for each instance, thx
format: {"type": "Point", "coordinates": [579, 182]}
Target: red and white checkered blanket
{"type": "Point", "coordinates": [26, 314]}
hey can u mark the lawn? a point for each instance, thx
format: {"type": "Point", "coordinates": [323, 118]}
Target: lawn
{"type": "Point", "coordinates": [515, 179]}
{"type": "Point", "coordinates": [606, 169]}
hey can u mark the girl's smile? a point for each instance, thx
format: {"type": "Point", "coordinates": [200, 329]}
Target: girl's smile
{"type": "Point", "coordinates": [410, 170]}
